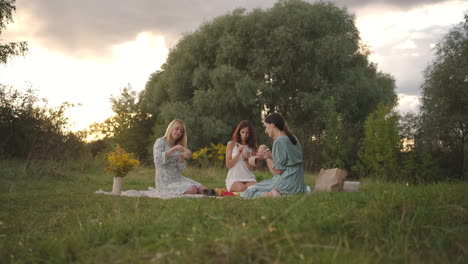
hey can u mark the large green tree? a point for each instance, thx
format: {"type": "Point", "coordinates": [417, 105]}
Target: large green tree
{"type": "Point", "coordinates": [292, 58]}
{"type": "Point", "coordinates": [445, 101]}
{"type": "Point", "coordinates": [7, 50]}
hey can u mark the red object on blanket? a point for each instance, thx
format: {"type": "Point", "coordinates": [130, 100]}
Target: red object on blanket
{"type": "Point", "coordinates": [228, 194]}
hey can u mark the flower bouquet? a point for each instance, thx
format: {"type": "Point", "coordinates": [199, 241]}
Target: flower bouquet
{"type": "Point", "coordinates": [120, 163]}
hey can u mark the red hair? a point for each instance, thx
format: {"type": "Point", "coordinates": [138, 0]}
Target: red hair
{"type": "Point", "coordinates": [251, 140]}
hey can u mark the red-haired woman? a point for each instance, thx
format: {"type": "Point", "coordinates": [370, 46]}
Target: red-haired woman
{"type": "Point", "coordinates": [238, 151]}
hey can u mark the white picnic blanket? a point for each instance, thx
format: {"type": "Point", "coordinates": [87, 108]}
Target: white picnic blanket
{"type": "Point", "coordinates": [152, 193]}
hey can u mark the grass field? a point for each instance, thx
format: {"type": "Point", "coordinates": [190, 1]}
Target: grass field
{"type": "Point", "coordinates": [50, 214]}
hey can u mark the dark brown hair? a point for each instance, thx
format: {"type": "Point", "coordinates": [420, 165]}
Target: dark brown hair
{"type": "Point", "coordinates": [279, 122]}
{"type": "Point", "coordinates": [251, 141]}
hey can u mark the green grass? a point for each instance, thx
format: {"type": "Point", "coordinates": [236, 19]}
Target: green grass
{"type": "Point", "coordinates": [50, 214]}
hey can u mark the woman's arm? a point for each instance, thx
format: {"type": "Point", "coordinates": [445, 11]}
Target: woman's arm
{"type": "Point", "coordinates": [185, 154]}
{"type": "Point", "coordinates": [230, 160]}
{"type": "Point", "coordinates": [251, 168]}
{"type": "Point", "coordinates": [270, 163]}
{"type": "Point", "coordinates": [159, 152]}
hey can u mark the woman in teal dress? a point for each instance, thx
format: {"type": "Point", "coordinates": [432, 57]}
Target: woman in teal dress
{"type": "Point", "coordinates": [284, 162]}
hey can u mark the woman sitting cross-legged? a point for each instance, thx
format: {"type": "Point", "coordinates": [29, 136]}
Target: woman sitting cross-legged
{"type": "Point", "coordinates": [238, 150]}
{"type": "Point", "coordinates": [285, 162]}
{"type": "Point", "coordinates": [170, 153]}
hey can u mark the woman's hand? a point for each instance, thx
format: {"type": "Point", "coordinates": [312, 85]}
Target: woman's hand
{"type": "Point", "coordinates": [243, 151]}
{"type": "Point", "coordinates": [187, 154]}
{"type": "Point", "coordinates": [240, 148]}
{"type": "Point", "coordinates": [177, 147]}
{"type": "Point", "coordinates": [265, 154]}
{"type": "Point", "coordinates": [174, 148]}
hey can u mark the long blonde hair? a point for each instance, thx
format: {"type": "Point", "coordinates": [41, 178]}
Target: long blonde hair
{"type": "Point", "coordinates": [168, 136]}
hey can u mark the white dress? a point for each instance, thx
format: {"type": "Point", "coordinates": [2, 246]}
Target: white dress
{"type": "Point", "coordinates": [239, 172]}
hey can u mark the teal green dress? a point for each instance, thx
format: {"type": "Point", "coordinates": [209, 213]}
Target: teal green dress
{"type": "Point", "coordinates": [288, 158]}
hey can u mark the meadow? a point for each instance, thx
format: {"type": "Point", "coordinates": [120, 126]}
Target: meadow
{"type": "Point", "coordinates": [49, 213]}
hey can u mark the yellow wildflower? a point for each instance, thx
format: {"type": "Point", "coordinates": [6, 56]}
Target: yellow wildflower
{"type": "Point", "coordinates": [121, 162]}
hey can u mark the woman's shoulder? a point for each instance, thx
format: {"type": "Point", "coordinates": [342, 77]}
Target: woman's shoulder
{"type": "Point", "coordinates": [160, 140]}
{"type": "Point", "coordinates": [231, 143]}
{"type": "Point", "coordinates": [281, 139]}
{"type": "Point", "coordinates": [285, 142]}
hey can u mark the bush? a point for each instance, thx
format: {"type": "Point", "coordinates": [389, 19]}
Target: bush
{"type": "Point", "coordinates": [30, 130]}
{"type": "Point", "coordinates": [214, 155]}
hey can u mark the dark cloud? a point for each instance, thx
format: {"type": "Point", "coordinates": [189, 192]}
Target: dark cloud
{"type": "Point", "coordinates": [90, 27]}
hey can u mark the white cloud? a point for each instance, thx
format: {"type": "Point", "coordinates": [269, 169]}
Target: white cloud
{"type": "Point", "coordinates": [378, 27]}
{"type": "Point", "coordinates": [402, 40]}
{"type": "Point", "coordinates": [90, 83]}
{"type": "Point", "coordinates": [408, 103]}
{"type": "Point", "coordinates": [408, 44]}
{"type": "Point", "coordinates": [419, 35]}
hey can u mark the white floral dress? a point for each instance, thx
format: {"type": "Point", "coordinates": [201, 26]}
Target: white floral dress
{"type": "Point", "coordinates": [168, 178]}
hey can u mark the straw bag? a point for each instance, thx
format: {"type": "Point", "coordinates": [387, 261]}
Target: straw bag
{"type": "Point", "coordinates": [331, 180]}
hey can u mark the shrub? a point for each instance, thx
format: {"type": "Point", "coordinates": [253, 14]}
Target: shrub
{"type": "Point", "coordinates": [213, 155]}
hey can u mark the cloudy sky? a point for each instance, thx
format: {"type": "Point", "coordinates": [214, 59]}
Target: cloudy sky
{"type": "Point", "coordinates": [86, 51]}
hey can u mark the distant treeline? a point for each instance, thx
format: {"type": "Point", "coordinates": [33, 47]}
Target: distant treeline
{"type": "Point", "coordinates": [30, 130]}
{"type": "Point", "coordinates": [302, 60]}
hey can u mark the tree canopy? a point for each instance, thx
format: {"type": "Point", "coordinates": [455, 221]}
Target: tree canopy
{"type": "Point", "coordinates": [445, 101]}
{"type": "Point", "coordinates": [7, 7]}
{"type": "Point", "coordinates": [292, 59]}
{"type": "Point", "coordinates": [129, 124]}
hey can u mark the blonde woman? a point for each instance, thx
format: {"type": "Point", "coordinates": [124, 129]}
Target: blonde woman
{"type": "Point", "coordinates": [170, 152]}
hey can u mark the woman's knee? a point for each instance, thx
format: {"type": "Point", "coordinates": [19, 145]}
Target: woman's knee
{"type": "Point", "coordinates": [238, 187]}
{"type": "Point", "coordinates": [250, 183]}
{"type": "Point", "coordinates": [191, 190]}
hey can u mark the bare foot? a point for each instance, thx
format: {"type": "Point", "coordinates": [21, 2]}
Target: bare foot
{"type": "Point", "coordinates": [191, 190]}
{"type": "Point", "coordinates": [201, 189]}
{"type": "Point", "coordinates": [272, 193]}
{"type": "Point", "coordinates": [275, 193]}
